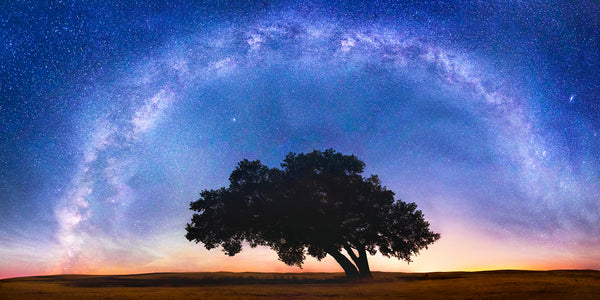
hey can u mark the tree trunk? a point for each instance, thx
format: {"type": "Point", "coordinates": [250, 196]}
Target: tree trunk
{"type": "Point", "coordinates": [360, 261]}
{"type": "Point", "coordinates": [363, 264]}
{"type": "Point", "coordinates": [349, 268]}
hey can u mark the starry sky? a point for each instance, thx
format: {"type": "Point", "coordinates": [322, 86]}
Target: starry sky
{"type": "Point", "coordinates": [114, 116]}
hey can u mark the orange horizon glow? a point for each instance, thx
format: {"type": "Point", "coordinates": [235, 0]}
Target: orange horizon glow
{"type": "Point", "coordinates": [459, 250]}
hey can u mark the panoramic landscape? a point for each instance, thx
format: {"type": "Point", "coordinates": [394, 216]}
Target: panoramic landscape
{"type": "Point", "coordinates": [277, 149]}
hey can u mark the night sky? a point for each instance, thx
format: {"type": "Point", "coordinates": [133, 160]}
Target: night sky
{"type": "Point", "coordinates": [113, 117]}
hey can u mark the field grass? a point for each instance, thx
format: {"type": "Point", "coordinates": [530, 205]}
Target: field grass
{"type": "Point", "coordinates": [506, 284]}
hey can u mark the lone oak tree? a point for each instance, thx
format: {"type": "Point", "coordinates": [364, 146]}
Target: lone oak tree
{"type": "Point", "coordinates": [317, 204]}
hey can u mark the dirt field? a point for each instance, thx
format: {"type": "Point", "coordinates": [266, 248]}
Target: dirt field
{"type": "Point", "coordinates": [447, 285]}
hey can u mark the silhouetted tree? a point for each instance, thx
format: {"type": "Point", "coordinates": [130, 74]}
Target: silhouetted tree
{"type": "Point", "coordinates": [317, 204]}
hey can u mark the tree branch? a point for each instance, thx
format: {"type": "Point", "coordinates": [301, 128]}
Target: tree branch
{"type": "Point", "coordinates": [352, 254]}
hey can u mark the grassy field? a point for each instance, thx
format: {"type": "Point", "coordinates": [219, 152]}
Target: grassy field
{"type": "Point", "coordinates": [448, 285]}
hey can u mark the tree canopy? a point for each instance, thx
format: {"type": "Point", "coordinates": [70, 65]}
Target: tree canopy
{"type": "Point", "coordinates": [317, 204]}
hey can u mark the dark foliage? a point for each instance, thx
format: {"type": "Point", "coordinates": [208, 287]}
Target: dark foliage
{"type": "Point", "coordinates": [317, 204]}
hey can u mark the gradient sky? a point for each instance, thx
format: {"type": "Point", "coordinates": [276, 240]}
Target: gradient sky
{"type": "Point", "coordinates": [113, 117]}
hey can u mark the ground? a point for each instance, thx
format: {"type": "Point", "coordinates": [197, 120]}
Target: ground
{"type": "Point", "coordinates": [506, 284]}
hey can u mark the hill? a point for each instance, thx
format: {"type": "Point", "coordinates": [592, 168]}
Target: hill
{"type": "Point", "coordinates": [503, 284]}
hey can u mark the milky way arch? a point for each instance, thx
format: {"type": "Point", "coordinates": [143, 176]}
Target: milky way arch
{"type": "Point", "coordinates": [185, 84]}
